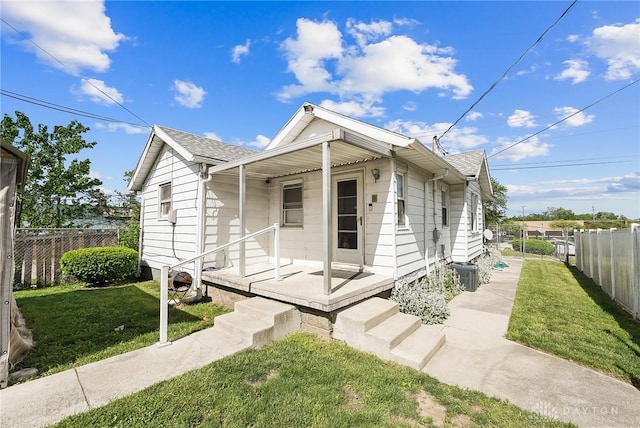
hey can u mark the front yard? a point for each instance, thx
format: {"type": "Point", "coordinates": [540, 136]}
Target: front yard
{"type": "Point", "coordinates": [559, 310]}
{"type": "Point", "coordinates": [73, 325]}
{"type": "Point", "coordinates": [305, 381]}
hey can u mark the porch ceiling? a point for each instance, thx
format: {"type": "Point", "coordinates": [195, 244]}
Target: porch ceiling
{"type": "Point", "coordinates": [305, 156]}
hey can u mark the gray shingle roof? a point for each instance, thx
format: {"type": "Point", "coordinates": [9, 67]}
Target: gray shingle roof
{"type": "Point", "coordinates": [207, 147]}
{"type": "Point", "coordinates": [468, 163]}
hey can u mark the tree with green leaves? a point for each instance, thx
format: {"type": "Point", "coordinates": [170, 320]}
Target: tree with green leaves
{"type": "Point", "coordinates": [59, 190]}
{"type": "Point", "coordinates": [130, 235]}
{"type": "Point", "coordinates": [495, 210]}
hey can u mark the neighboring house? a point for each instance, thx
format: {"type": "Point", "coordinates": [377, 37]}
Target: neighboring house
{"type": "Point", "coordinates": [347, 195]}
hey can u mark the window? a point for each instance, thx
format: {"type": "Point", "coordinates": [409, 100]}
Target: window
{"type": "Point", "coordinates": [444, 201]}
{"type": "Point", "coordinates": [164, 196]}
{"type": "Point", "coordinates": [292, 204]}
{"type": "Point", "coordinates": [474, 213]}
{"type": "Point", "coordinates": [400, 200]}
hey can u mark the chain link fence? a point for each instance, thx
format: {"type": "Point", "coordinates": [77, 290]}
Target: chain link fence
{"type": "Point", "coordinates": [37, 252]}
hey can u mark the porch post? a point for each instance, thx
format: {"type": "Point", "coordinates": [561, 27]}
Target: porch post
{"type": "Point", "coordinates": [327, 228]}
{"type": "Point", "coordinates": [164, 305]}
{"type": "Point", "coordinates": [241, 216]}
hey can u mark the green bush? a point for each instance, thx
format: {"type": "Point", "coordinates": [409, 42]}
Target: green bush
{"type": "Point", "coordinates": [534, 246]}
{"type": "Point", "coordinates": [100, 265]}
{"type": "Point", "coordinates": [427, 298]}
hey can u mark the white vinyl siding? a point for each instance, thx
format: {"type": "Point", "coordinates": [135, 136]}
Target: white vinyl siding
{"type": "Point", "coordinates": [410, 239]}
{"type": "Point", "coordinates": [164, 243]}
{"type": "Point", "coordinates": [222, 222]}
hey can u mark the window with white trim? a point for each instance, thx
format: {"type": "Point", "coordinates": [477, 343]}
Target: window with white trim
{"type": "Point", "coordinates": [474, 212]}
{"type": "Point", "coordinates": [401, 200]}
{"type": "Point", "coordinates": [164, 200]}
{"type": "Point", "coordinates": [292, 213]}
{"type": "Point", "coordinates": [444, 202]}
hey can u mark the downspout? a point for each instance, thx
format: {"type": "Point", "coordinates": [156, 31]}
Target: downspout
{"type": "Point", "coordinates": [202, 198]}
{"type": "Point", "coordinates": [436, 233]}
{"type": "Point", "coordinates": [140, 237]}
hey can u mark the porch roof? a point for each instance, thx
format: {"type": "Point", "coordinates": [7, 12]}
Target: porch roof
{"type": "Point", "coordinates": [347, 148]}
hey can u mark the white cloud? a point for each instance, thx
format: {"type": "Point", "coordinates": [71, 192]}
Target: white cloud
{"type": "Point", "coordinates": [317, 42]}
{"type": "Point", "coordinates": [521, 119]}
{"type": "Point", "coordinates": [602, 186]}
{"type": "Point", "coordinates": [117, 126]}
{"type": "Point", "coordinates": [363, 33]}
{"type": "Point", "coordinates": [188, 94]}
{"type": "Point", "coordinates": [410, 106]}
{"type": "Point", "coordinates": [354, 108]}
{"type": "Point", "coordinates": [531, 148]}
{"type": "Point", "coordinates": [572, 38]}
{"type": "Point", "coordinates": [78, 34]}
{"type": "Point", "coordinates": [456, 140]}
{"type": "Point", "coordinates": [530, 70]}
{"type": "Point", "coordinates": [240, 50]}
{"type": "Point", "coordinates": [260, 142]}
{"type": "Point", "coordinates": [619, 46]}
{"type": "Point", "coordinates": [473, 116]}
{"type": "Point", "coordinates": [98, 92]}
{"type": "Point", "coordinates": [578, 118]}
{"type": "Point", "coordinates": [213, 136]}
{"type": "Point", "coordinates": [378, 63]}
{"type": "Point", "coordinates": [577, 70]}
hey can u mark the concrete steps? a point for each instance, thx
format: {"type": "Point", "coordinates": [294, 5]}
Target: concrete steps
{"type": "Point", "coordinates": [259, 321]}
{"type": "Point", "coordinates": [377, 326]}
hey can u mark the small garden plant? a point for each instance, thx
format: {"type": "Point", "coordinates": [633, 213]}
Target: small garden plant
{"type": "Point", "coordinates": [486, 263]}
{"type": "Point", "coordinates": [100, 265]}
{"type": "Point", "coordinates": [427, 298]}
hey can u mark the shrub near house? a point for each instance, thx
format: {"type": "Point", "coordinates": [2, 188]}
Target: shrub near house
{"type": "Point", "coordinates": [100, 265]}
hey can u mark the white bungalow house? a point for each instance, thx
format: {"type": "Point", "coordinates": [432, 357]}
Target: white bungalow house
{"type": "Point", "coordinates": [357, 208]}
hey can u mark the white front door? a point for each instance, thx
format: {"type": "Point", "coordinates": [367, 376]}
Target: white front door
{"type": "Point", "coordinates": [348, 218]}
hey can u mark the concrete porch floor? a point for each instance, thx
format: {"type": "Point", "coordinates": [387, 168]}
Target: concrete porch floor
{"type": "Point", "coordinates": [302, 285]}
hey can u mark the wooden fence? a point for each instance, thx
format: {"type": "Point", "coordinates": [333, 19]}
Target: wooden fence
{"type": "Point", "coordinates": [611, 258]}
{"type": "Point", "coordinates": [37, 252]}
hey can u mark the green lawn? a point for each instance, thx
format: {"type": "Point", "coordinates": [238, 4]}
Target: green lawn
{"type": "Point", "coordinates": [305, 381]}
{"type": "Point", "coordinates": [73, 325]}
{"type": "Point", "coordinates": [559, 310]}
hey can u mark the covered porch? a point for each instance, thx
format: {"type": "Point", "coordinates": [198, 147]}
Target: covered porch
{"type": "Point", "coordinates": [301, 285]}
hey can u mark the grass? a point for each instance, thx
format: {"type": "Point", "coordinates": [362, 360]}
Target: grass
{"type": "Point", "coordinates": [559, 310]}
{"type": "Point", "coordinates": [73, 325]}
{"type": "Point", "coordinates": [305, 381]}
{"type": "Point", "coordinates": [513, 253]}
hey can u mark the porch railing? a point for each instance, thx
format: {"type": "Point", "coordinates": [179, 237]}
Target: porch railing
{"type": "Point", "coordinates": [164, 273]}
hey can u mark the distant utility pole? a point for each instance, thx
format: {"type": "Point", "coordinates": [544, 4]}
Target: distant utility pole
{"type": "Point", "coordinates": [524, 245]}
{"type": "Point", "coordinates": [593, 212]}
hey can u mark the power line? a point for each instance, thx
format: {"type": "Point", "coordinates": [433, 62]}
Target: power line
{"type": "Point", "coordinates": [25, 36]}
{"type": "Point", "coordinates": [564, 118]}
{"type": "Point", "coordinates": [511, 67]}
{"type": "Point", "coordinates": [58, 107]}
{"type": "Point", "coordinates": [564, 161]}
{"type": "Point", "coordinates": [557, 166]}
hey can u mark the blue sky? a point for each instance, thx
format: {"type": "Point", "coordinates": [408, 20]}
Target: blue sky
{"type": "Point", "coordinates": [237, 71]}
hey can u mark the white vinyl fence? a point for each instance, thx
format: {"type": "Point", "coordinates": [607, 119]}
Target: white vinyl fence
{"type": "Point", "coordinates": [611, 258]}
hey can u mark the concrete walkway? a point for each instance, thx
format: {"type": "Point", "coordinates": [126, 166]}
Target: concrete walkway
{"type": "Point", "coordinates": [477, 356]}
{"type": "Point", "coordinates": [47, 400]}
